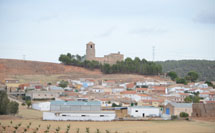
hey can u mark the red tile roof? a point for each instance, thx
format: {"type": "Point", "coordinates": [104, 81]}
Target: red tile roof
{"type": "Point", "coordinates": [128, 92]}
{"type": "Point", "coordinates": [130, 85]}
{"type": "Point", "coordinates": [142, 89]}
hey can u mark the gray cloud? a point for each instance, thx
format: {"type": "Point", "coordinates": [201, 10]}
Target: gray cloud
{"type": "Point", "coordinates": [205, 18]}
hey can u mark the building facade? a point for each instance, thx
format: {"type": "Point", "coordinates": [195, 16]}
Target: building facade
{"type": "Point", "coordinates": [108, 59]}
{"type": "Point", "coordinates": [177, 108]}
{"type": "Point", "coordinates": [78, 111]}
{"type": "Point", "coordinates": [144, 111]}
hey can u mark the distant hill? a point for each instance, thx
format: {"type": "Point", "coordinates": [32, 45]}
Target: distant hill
{"type": "Point", "coordinates": [205, 68]}
{"type": "Point", "coordinates": [46, 71]}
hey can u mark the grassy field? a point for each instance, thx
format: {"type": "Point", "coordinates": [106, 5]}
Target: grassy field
{"type": "Point", "coordinates": [27, 116]}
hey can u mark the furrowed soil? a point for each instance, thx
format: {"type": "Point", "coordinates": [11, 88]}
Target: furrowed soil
{"type": "Point", "coordinates": [26, 116]}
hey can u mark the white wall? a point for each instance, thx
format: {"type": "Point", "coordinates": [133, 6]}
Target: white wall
{"type": "Point", "coordinates": [139, 110]}
{"type": "Point", "coordinates": [44, 106]}
{"type": "Point", "coordinates": [79, 116]}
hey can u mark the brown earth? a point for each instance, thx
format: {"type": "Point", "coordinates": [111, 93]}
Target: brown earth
{"type": "Point", "coordinates": [51, 72]}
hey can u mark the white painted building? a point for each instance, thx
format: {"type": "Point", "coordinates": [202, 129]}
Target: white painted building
{"type": "Point", "coordinates": [144, 111]}
{"type": "Point", "coordinates": [80, 116]}
{"type": "Point", "coordinates": [118, 89]}
{"type": "Point", "coordinates": [78, 110]}
{"type": "Point", "coordinates": [43, 106]}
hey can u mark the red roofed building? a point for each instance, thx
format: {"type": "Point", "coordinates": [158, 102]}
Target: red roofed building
{"type": "Point", "coordinates": [159, 89]}
{"type": "Point", "coordinates": [23, 86]}
{"type": "Point", "coordinates": [128, 92]}
{"type": "Point", "coordinates": [130, 86]}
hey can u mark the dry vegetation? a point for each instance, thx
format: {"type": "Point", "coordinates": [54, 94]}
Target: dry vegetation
{"type": "Point", "coordinates": [27, 116]}
{"type": "Point", "coordinates": [27, 71]}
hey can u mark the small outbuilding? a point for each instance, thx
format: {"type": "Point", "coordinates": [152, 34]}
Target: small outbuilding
{"type": "Point", "coordinates": [176, 108]}
{"type": "Point", "coordinates": [144, 111]}
{"type": "Point", "coordinates": [42, 106]}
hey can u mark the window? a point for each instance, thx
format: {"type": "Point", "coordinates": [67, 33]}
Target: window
{"type": "Point", "coordinates": [101, 115]}
{"type": "Point", "coordinates": [63, 115]}
{"type": "Point", "coordinates": [91, 46]}
{"type": "Point", "coordinates": [83, 115]}
{"type": "Point", "coordinates": [136, 110]}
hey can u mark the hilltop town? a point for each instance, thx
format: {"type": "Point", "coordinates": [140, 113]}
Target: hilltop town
{"type": "Point", "coordinates": [98, 97]}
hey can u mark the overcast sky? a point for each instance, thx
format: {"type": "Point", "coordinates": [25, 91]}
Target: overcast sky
{"type": "Point", "coordinates": [43, 29]}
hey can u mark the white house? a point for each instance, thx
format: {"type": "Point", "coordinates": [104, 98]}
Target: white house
{"type": "Point", "coordinates": [144, 111]}
{"type": "Point", "coordinates": [80, 116]}
{"type": "Point", "coordinates": [118, 89]}
{"type": "Point", "coordinates": [43, 106]}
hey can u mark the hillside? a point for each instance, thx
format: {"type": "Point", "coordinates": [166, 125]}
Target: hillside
{"type": "Point", "coordinates": [205, 68]}
{"type": "Point", "coordinates": [12, 67]}
{"type": "Point", "coordinates": [52, 72]}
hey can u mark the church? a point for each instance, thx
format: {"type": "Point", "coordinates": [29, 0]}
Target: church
{"type": "Point", "coordinates": [107, 59]}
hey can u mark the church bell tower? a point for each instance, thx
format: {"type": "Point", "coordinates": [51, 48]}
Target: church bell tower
{"type": "Point", "coordinates": [90, 51]}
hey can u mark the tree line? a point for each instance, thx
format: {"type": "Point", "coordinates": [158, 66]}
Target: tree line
{"type": "Point", "coordinates": [129, 65]}
{"type": "Point", "coordinates": [190, 77]}
{"type": "Point", "coordinates": [205, 68]}
{"type": "Point", "coordinates": [7, 106]}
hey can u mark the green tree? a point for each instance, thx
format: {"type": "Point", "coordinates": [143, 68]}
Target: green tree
{"type": "Point", "coordinates": [65, 59]}
{"type": "Point", "coordinates": [28, 102]}
{"type": "Point", "coordinates": [115, 105]}
{"type": "Point", "coordinates": [12, 107]}
{"type": "Point", "coordinates": [127, 66]}
{"type": "Point", "coordinates": [106, 68]}
{"type": "Point", "coordinates": [3, 102]}
{"type": "Point", "coordinates": [209, 84]}
{"type": "Point", "coordinates": [188, 99]}
{"type": "Point", "coordinates": [172, 75]}
{"type": "Point", "coordinates": [192, 99]}
{"type": "Point", "coordinates": [181, 81]}
{"type": "Point", "coordinates": [63, 84]}
{"type": "Point", "coordinates": [196, 99]}
{"type": "Point", "coordinates": [184, 114]}
{"type": "Point", "coordinates": [192, 76]}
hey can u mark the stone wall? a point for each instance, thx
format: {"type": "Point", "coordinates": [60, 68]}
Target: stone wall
{"type": "Point", "coordinates": [109, 59]}
{"type": "Point", "coordinates": [203, 110]}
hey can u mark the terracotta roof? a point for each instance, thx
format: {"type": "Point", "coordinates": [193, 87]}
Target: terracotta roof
{"type": "Point", "coordinates": [128, 92]}
{"type": "Point", "coordinates": [159, 87]}
{"type": "Point", "coordinates": [143, 95]}
{"type": "Point", "coordinates": [142, 89]}
{"type": "Point", "coordinates": [130, 85]}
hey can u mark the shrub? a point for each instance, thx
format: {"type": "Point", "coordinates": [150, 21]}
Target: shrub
{"type": "Point", "coordinates": [184, 114]}
{"type": "Point", "coordinates": [173, 117]}
{"type": "Point", "coordinates": [12, 107]}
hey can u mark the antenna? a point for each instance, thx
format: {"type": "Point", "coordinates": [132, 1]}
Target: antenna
{"type": "Point", "coordinates": [153, 53]}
